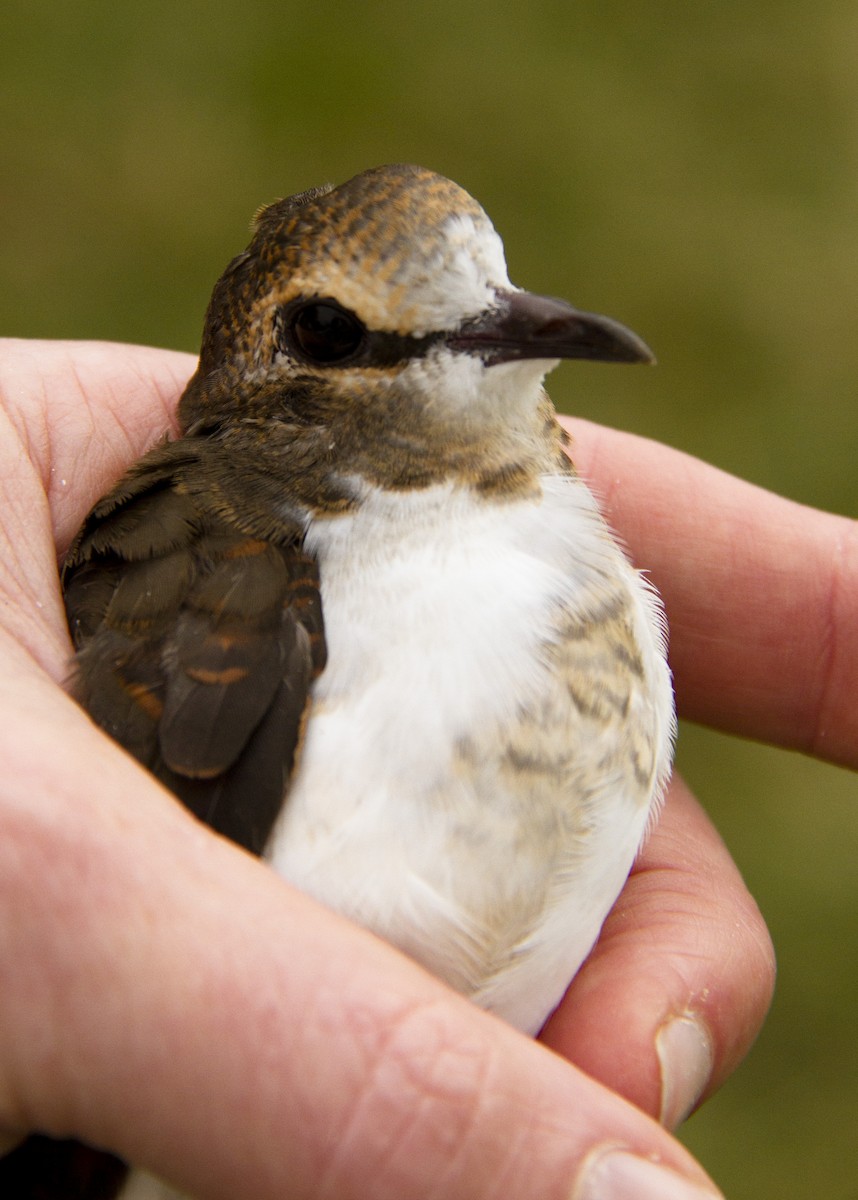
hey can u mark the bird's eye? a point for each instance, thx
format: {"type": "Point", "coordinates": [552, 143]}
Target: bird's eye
{"type": "Point", "coordinates": [326, 333]}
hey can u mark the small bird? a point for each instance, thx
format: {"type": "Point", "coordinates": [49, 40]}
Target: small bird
{"type": "Point", "coordinates": [364, 618]}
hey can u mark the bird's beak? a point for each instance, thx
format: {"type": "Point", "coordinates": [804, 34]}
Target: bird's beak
{"type": "Point", "coordinates": [522, 325]}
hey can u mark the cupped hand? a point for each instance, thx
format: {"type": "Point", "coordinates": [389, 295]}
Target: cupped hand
{"type": "Point", "coordinates": [166, 996]}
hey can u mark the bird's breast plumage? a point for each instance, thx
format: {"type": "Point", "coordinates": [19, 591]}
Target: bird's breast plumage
{"type": "Point", "coordinates": [488, 737]}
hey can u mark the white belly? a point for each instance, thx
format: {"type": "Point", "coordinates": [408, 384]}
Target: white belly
{"type": "Point", "coordinates": [409, 812]}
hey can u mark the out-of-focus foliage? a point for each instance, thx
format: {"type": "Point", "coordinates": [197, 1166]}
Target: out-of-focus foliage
{"type": "Point", "coordinates": [690, 169]}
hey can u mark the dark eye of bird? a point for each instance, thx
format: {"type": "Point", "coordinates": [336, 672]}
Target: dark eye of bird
{"type": "Point", "coordinates": [326, 333]}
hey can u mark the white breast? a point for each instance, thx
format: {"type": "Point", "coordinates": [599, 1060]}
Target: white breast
{"type": "Point", "coordinates": [437, 609]}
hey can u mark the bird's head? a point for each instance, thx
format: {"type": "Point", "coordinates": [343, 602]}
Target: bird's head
{"type": "Point", "coordinates": [382, 310]}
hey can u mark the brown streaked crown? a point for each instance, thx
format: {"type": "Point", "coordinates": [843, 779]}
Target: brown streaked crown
{"type": "Point", "coordinates": [376, 243]}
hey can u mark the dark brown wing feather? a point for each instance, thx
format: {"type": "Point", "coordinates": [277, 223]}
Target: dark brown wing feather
{"type": "Point", "coordinates": [196, 645]}
{"type": "Point", "coordinates": [196, 641]}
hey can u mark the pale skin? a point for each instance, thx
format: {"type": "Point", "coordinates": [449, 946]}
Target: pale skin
{"type": "Point", "coordinates": [166, 996]}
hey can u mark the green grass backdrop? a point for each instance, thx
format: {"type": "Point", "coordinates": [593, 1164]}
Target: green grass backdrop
{"type": "Point", "coordinates": [690, 169]}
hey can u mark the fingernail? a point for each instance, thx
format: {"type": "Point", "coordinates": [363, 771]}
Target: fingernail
{"type": "Point", "coordinates": [620, 1175]}
{"type": "Point", "coordinates": [686, 1058]}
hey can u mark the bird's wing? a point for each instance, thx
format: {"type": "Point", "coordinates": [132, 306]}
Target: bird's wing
{"type": "Point", "coordinates": [196, 641]}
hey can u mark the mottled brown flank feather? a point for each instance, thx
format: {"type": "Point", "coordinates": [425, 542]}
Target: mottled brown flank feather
{"type": "Point", "coordinates": [196, 640]}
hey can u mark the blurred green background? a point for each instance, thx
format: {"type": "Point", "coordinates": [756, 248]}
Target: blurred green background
{"type": "Point", "coordinates": [691, 169]}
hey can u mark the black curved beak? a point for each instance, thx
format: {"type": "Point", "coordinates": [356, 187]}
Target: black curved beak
{"type": "Point", "coordinates": [523, 325]}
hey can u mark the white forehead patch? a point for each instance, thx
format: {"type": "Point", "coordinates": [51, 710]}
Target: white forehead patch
{"type": "Point", "coordinates": [474, 267]}
{"type": "Point", "coordinates": [425, 289]}
{"type": "Point", "coordinates": [455, 281]}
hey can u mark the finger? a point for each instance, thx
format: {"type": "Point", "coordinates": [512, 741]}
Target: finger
{"type": "Point", "coordinates": [761, 593]}
{"type": "Point", "coordinates": [73, 415]}
{"type": "Point", "coordinates": [84, 411]}
{"type": "Point", "coordinates": [684, 967]}
{"type": "Point", "coordinates": [173, 1001]}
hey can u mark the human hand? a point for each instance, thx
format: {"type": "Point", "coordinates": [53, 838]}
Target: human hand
{"type": "Point", "coordinates": [175, 1001]}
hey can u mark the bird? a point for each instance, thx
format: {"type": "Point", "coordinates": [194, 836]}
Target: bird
{"type": "Point", "coordinates": [364, 618]}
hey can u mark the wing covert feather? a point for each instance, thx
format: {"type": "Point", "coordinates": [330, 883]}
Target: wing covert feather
{"type": "Point", "coordinates": [197, 642]}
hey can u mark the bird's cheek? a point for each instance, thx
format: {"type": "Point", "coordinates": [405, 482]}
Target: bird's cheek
{"type": "Point", "coordinates": [517, 385]}
{"type": "Point", "coordinates": [444, 384]}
